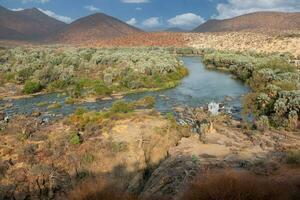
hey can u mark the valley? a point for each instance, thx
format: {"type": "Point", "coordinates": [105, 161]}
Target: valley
{"type": "Point", "coordinates": [99, 109]}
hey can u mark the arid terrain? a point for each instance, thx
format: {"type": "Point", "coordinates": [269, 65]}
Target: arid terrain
{"type": "Point", "coordinates": [98, 109]}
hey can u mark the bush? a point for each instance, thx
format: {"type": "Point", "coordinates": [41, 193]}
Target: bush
{"type": "Point", "coordinates": [31, 87]}
{"type": "Point", "coordinates": [238, 186]}
{"type": "Point", "coordinates": [274, 83]}
{"type": "Point", "coordinates": [121, 107]}
{"type": "Point", "coordinates": [293, 157]}
{"type": "Point", "coordinates": [146, 102]}
{"type": "Point", "coordinates": [75, 139]}
{"type": "Point", "coordinates": [262, 123]}
{"type": "Point", "coordinates": [80, 111]}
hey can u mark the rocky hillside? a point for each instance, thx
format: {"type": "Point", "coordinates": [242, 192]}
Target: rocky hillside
{"type": "Point", "coordinates": [94, 27]}
{"type": "Point", "coordinates": [28, 24]}
{"type": "Point", "coordinates": [259, 21]}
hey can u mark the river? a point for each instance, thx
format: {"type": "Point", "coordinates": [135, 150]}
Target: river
{"type": "Point", "coordinates": [200, 87]}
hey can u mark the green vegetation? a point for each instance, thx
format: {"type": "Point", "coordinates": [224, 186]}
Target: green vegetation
{"type": "Point", "coordinates": [121, 107]}
{"type": "Point", "coordinates": [81, 117]}
{"type": "Point", "coordinates": [275, 96]}
{"type": "Point", "coordinates": [87, 71]}
{"type": "Point", "coordinates": [293, 157]}
{"type": "Point", "coordinates": [87, 158]}
{"type": "Point", "coordinates": [75, 139]}
{"type": "Point", "coordinates": [31, 87]}
{"type": "Point", "coordinates": [118, 147]}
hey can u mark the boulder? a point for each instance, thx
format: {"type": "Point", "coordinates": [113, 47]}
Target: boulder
{"type": "Point", "coordinates": [2, 116]}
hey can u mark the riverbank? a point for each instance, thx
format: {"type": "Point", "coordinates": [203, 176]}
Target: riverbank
{"type": "Point", "coordinates": [87, 72]}
{"type": "Point", "coordinates": [195, 90]}
{"type": "Point", "coordinates": [274, 81]}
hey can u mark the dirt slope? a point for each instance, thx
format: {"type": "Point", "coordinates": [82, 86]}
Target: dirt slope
{"type": "Point", "coordinates": [28, 24]}
{"type": "Point", "coordinates": [259, 21]}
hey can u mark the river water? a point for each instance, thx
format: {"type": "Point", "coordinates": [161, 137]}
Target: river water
{"type": "Point", "coordinates": [200, 87]}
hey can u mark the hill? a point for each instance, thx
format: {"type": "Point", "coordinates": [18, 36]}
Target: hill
{"type": "Point", "coordinates": [175, 29]}
{"type": "Point", "coordinates": [28, 24]}
{"type": "Point", "coordinates": [258, 21]}
{"type": "Point", "coordinates": [95, 27]}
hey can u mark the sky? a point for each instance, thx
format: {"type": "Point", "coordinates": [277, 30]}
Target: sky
{"type": "Point", "coordinates": [154, 14]}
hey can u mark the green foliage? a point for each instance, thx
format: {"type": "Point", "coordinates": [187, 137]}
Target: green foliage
{"type": "Point", "coordinates": [121, 107]}
{"type": "Point", "coordinates": [146, 102]}
{"type": "Point", "coordinates": [25, 74]}
{"type": "Point", "coordinates": [118, 147]}
{"type": "Point", "coordinates": [70, 100]}
{"type": "Point", "coordinates": [75, 139]}
{"type": "Point", "coordinates": [170, 116]}
{"type": "Point", "coordinates": [42, 104]}
{"type": "Point", "coordinates": [87, 158]}
{"type": "Point", "coordinates": [32, 87]}
{"type": "Point", "coordinates": [293, 157]}
{"type": "Point", "coordinates": [80, 111]}
{"type": "Point", "coordinates": [275, 96]}
{"type": "Point", "coordinates": [86, 71]}
{"type": "Point", "coordinates": [262, 123]}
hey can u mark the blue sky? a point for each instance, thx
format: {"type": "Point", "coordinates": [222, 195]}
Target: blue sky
{"type": "Point", "coordinates": [154, 14]}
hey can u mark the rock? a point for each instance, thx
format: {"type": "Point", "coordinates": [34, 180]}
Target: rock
{"type": "Point", "coordinates": [170, 176]}
{"type": "Point", "coordinates": [106, 98]}
{"type": "Point", "coordinates": [36, 114]}
{"type": "Point", "coordinates": [2, 116]}
{"type": "Point", "coordinates": [20, 175]}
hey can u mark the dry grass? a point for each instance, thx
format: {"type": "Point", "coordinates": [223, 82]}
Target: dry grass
{"type": "Point", "coordinates": [240, 186]}
{"type": "Point", "coordinates": [100, 189]}
{"type": "Point", "coordinates": [213, 186]}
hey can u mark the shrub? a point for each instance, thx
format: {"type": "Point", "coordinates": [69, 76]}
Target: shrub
{"type": "Point", "coordinates": [238, 186]}
{"type": "Point", "coordinates": [80, 111]}
{"type": "Point", "coordinates": [87, 158]}
{"type": "Point", "coordinates": [25, 74]}
{"type": "Point", "coordinates": [32, 87]}
{"type": "Point", "coordinates": [70, 100]}
{"type": "Point", "coordinates": [121, 107]}
{"type": "Point", "coordinates": [118, 147]}
{"type": "Point", "coordinates": [75, 139]}
{"type": "Point", "coordinates": [293, 157]}
{"type": "Point", "coordinates": [262, 123]}
{"type": "Point", "coordinates": [100, 189]}
{"type": "Point", "coordinates": [101, 89]}
{"type": "Point", "coordinates": [146, 102]}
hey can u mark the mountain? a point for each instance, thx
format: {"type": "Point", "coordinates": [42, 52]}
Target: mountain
{"type": "Point", "coordinates": [95, 27]}
{"type": "Point", "coordinates": [258, 21]}
{"type": "Point", "coordinates": [175, 29]}
{"type": "Point", "coordinates": [28, 24]}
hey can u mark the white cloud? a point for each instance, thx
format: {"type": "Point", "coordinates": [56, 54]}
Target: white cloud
{"type": "Point", "coordinates": [17, 9]}
{"type": "Point", "coordinates": [187, 20]}
{"type": "Point", "coordinates": [35, 1]}
{"type": "Point", "coordinates": [135, 1]}
{"type": "Point", "coordinates": [91, 8]}
{"type": "Point", "coordinates": [132, 21]}
{"type": "Point", "coordinates": [56, 16]}
{"type": "Point", "coordinates": [234, 8]}
{"type": "Point", "coordinates": [138, 8]}
{"type": "Point", "coordinates": [152, 22]}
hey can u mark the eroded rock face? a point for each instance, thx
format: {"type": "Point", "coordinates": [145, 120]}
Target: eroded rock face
{"type": "Point", "coordinates": [170, 176]}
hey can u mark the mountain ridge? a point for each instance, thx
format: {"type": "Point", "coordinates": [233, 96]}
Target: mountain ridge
{"type": "Point", "coordinates": [257, 21]}
{"type": "Point", "coordinates": [30, 24]}
{"type": "Point", "coordinates": [95, 26]}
